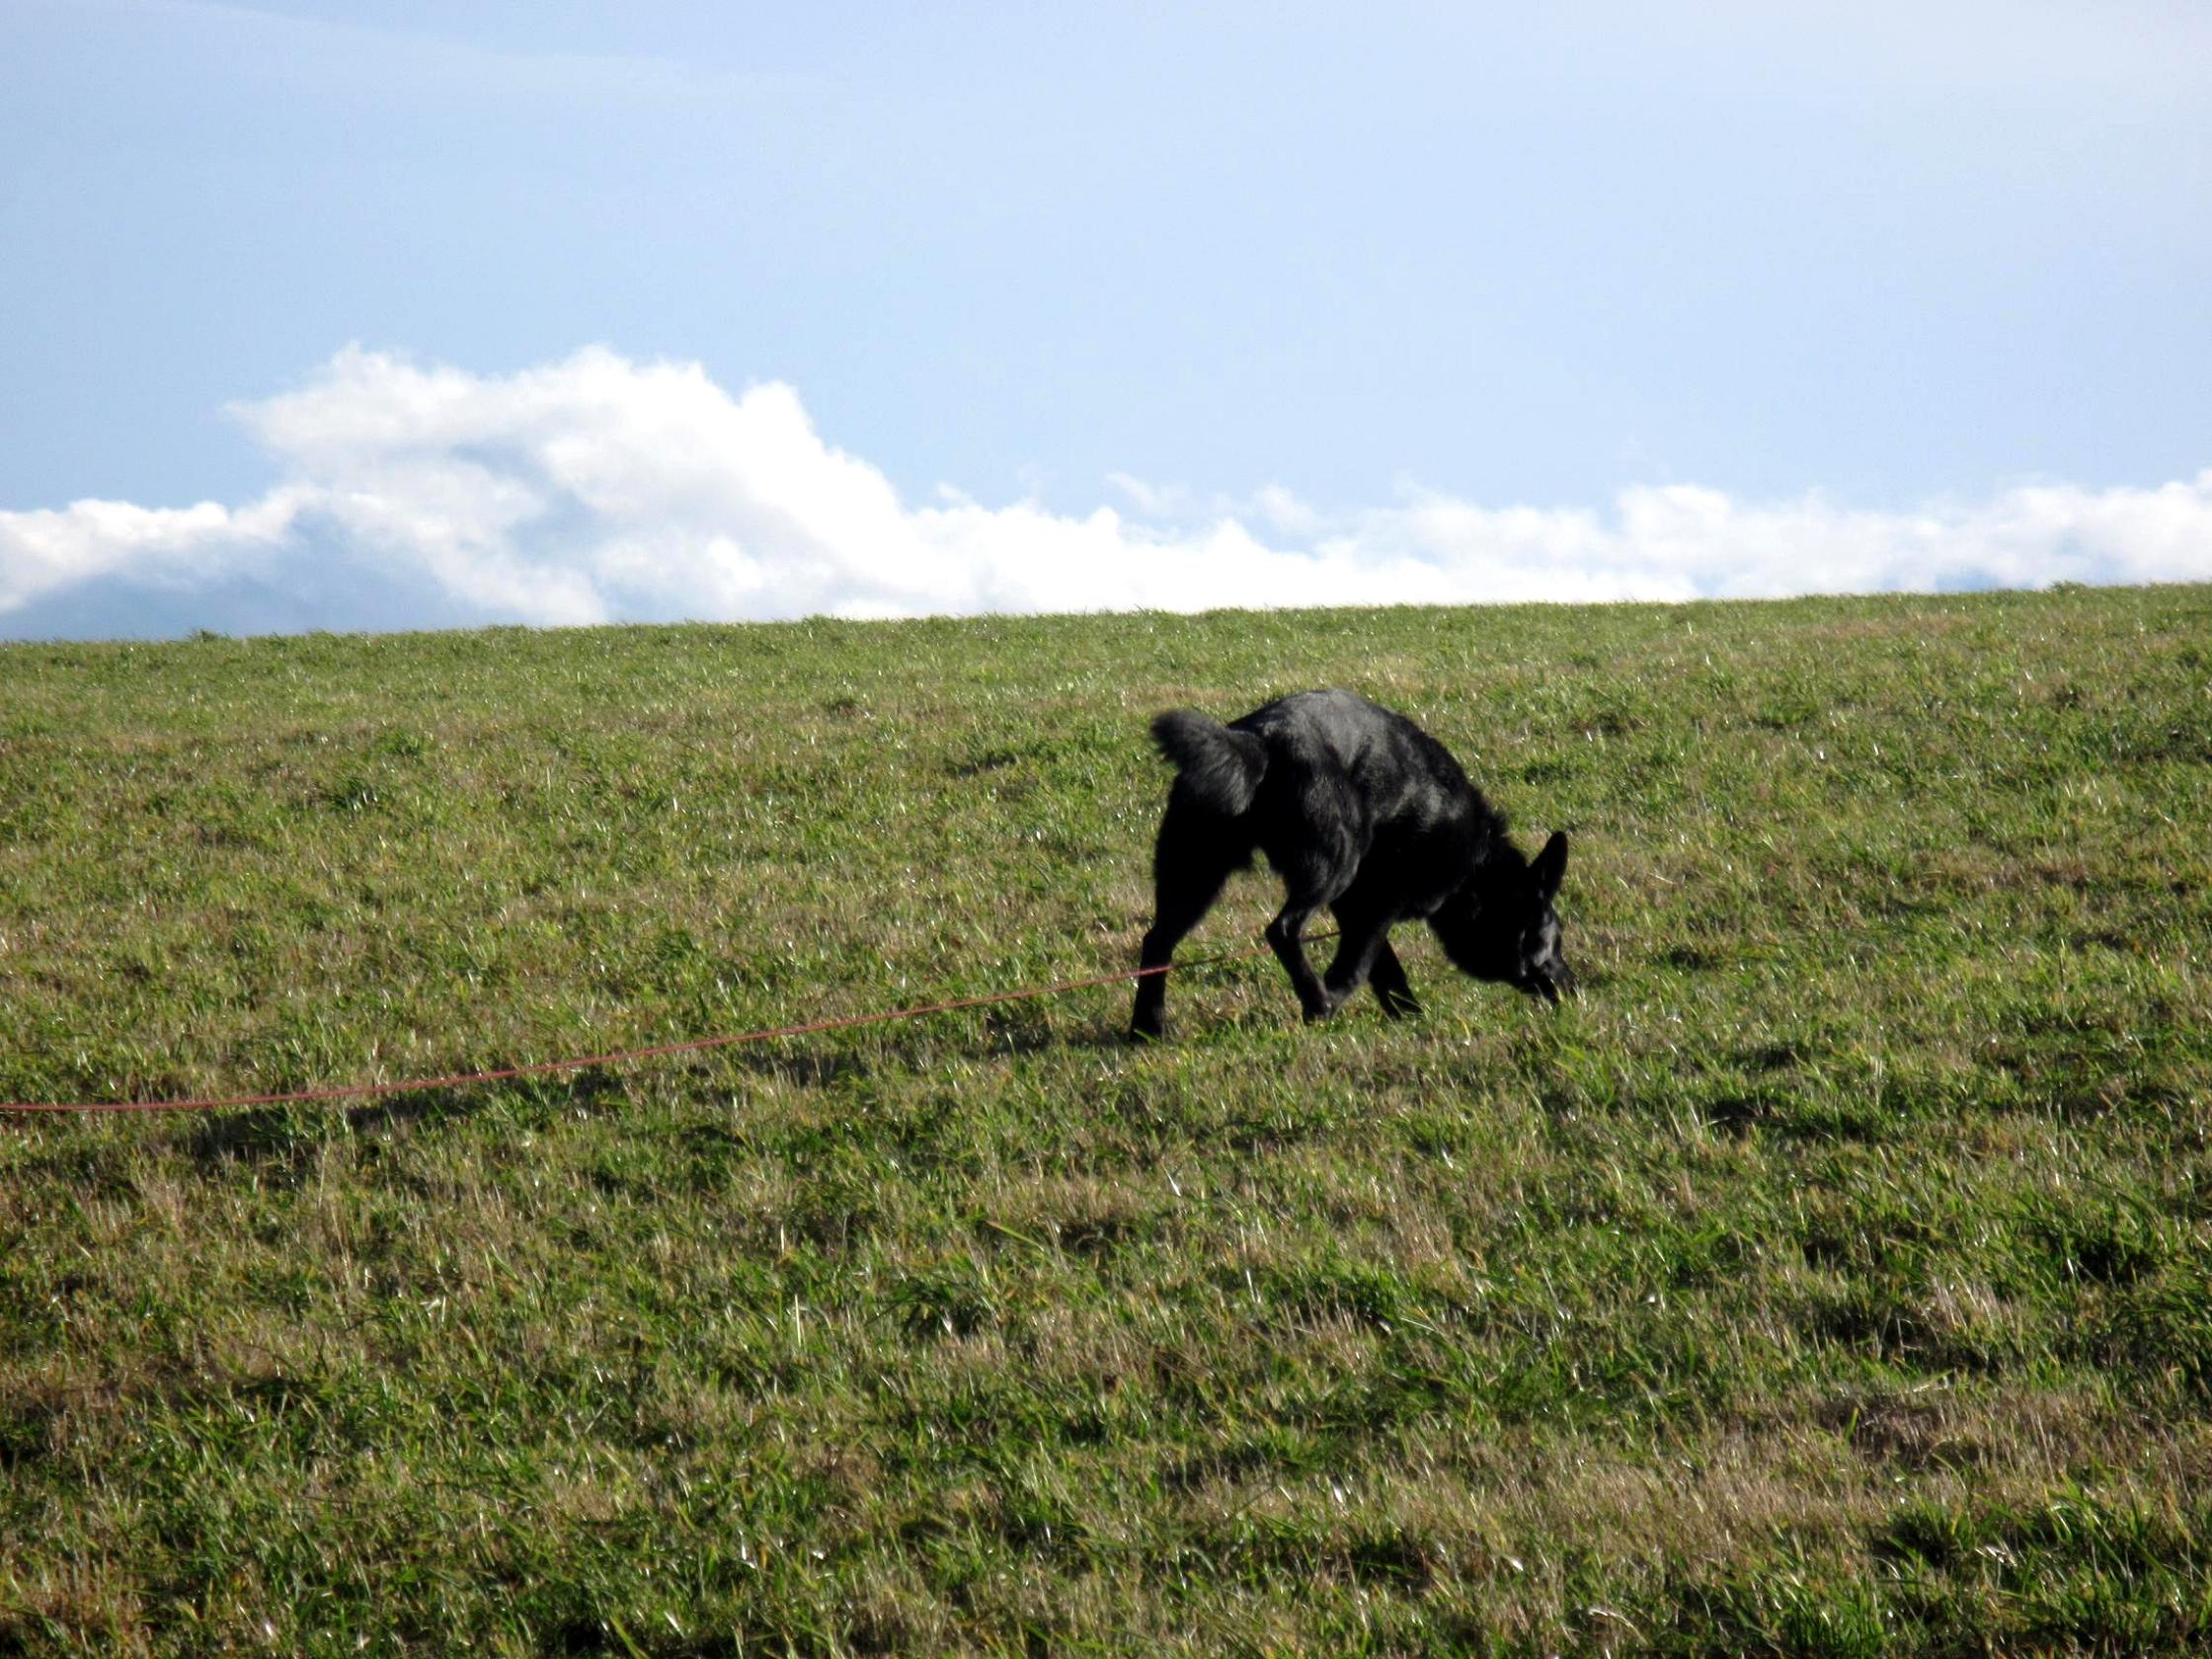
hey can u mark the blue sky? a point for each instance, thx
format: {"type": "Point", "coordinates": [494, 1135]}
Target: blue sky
{"type": "Point", "coordinates": [1304, 296]}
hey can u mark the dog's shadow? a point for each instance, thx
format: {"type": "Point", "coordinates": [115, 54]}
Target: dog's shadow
{"type": "Point", "coordinates": [284, 1140]}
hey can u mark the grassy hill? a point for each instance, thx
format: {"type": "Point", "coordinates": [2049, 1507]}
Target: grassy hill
{"type": "Point", "coordinates": [1833, 1277]}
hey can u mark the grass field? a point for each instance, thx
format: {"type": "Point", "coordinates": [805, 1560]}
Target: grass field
{"type": "Point", "coordinates": [1833, 1277]}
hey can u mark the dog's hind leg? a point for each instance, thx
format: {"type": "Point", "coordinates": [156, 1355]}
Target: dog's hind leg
{"type": "Point", "coordinates": [1388, 977]}
{"type": "Point", "coordinates": [1197, 852]}
{"type": "Point", "coordinates": [1315, 870]}
{"type": "Point", "coordinates": [1287, 934]}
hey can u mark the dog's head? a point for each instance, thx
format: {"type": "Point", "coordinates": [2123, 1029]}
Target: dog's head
{"type": "Point", "coordinates": [1504, 928]}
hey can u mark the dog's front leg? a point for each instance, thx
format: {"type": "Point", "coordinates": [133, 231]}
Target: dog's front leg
{"type": "Point", "coordinates": [1287, 934]}
{"type": "Point", "coordinates": [1391, 989]}
{"type": "Point", "coordinates": [1358, 951]}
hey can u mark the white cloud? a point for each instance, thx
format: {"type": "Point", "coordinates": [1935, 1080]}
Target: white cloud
{"type": "Point", "coordinates": [598, 489]}
{"type": "Point", "coordinates": [175, 546]}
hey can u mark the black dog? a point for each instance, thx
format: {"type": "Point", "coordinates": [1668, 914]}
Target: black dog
{"type": "Point", "coordinates": [1360, 810]}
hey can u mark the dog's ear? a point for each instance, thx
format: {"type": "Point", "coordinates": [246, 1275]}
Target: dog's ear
{"type": "Point", "coordinates": [1551, 865]}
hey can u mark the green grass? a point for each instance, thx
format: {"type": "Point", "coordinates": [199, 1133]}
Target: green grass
{"type": "Point", "coordinates": [1835, 1277]}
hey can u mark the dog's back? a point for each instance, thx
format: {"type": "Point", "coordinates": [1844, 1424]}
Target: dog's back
{"type": "Point", "coordinates": [1334, 748]}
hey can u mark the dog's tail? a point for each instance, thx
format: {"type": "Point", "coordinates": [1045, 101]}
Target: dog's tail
{"type": "Point", "coordinates": [1219, 768]}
